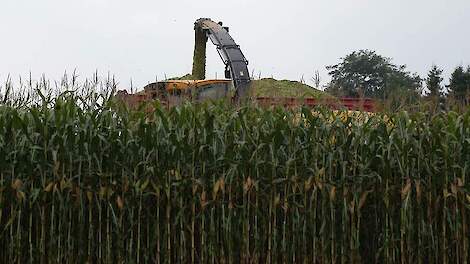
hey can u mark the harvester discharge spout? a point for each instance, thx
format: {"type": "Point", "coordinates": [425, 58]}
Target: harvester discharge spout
{"type": "Point", "coordinates": [236, 65]}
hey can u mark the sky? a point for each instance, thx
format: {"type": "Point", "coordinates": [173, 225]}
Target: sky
{"type": "Point", "coordinates": [144, 40]}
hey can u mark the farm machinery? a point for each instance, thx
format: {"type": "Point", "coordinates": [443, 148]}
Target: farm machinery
{"type": "Point", "coordinates": [237, 78]}
{"type": "Point", "coordinates": [237, 82]}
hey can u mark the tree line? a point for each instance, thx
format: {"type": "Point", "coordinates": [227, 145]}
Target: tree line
{"type": "Point", "coordinates": [365, 73]}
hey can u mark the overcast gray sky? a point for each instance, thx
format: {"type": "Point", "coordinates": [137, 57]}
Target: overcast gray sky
{"type": "Point", "coordinates": [284, 39]}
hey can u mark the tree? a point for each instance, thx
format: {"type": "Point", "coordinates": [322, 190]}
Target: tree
{"type": "Point", "coordinates": [433, 82]}
{"type": "Point", "coordinates": [459, 84]}
{"type": "Point", "coordinates": [365, 73]}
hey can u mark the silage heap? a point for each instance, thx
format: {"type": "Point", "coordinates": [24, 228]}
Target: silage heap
{"type": "Point", "coordinates": [269, 87]}
{"type": "Point", "coordinates": [199, 57]}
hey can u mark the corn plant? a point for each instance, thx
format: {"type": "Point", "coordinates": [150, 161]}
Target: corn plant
{"type": "Point", "coordinates": [214, 183]}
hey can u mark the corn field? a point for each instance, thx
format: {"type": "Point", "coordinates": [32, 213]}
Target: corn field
{"type": "Point", "coordinates": [213, 183]}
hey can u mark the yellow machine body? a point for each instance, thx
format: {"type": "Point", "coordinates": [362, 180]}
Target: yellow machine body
{"type": "Point", "coordinates": [173, 92]}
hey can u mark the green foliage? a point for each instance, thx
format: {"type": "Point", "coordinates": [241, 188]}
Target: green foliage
{"type": "Point", "coordinates": [365, 73]}
{"type": "Point", "coordinates": [212, 182]}
{"type": "Point", "coordinates": [433, 82]}
{"type": "Point", "coordinates": [459, 86]}
{"type": "Point", "coordinates": [88, 181]}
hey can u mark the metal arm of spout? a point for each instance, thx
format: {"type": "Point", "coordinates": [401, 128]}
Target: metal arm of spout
{"type": "Point", "coordinates": [230, 53]}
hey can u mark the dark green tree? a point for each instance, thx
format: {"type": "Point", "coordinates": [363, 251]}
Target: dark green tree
{"type": "Point", "coordinates": [433, 82]}
{"type": "Point", "coordinates": [459, 84]}
{"type": "Point", "coordinates": [365, 73]}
